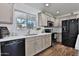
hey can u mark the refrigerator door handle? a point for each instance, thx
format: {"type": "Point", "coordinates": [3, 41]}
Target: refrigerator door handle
{"type": "Point", "coordinates": [64, 28]}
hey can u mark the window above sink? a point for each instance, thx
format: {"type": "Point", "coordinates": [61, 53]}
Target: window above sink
{"type": "Point", "coordinates": [25, 20]}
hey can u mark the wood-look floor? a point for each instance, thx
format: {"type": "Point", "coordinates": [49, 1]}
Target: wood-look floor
{"type": "Point", "coordinates": [58, 50]}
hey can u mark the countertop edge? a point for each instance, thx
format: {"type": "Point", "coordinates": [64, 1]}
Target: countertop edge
{"type": "Point", "coordinates": [20, 37]}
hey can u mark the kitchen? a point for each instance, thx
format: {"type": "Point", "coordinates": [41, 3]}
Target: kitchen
{"type": "Point", "coordinates": [27, 30]}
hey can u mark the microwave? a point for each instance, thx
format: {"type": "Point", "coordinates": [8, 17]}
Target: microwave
{"type": "Point", "coordinates": [48, 30]}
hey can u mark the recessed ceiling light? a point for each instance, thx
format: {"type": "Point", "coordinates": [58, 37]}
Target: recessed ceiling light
{"type": "Point", "coordinates": [46, 4]}
{"type": "Point", "coordinates": [57, 12]}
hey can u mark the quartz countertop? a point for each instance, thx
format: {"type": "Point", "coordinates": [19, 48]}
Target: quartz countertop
{"type": "Point", "coordinates": [8, 38]}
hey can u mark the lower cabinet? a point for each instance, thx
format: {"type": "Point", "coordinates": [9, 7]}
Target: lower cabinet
{"type": "Point", "coordinates": [48, 41]}
{"type": "Point", "coordinates": [36, 44]}
{"type": "Point", "coordinates": [30, 46]}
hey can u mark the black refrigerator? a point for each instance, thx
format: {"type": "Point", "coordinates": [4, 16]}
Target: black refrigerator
{"type": "Point", "coordinates": [69, 32]}
{"type": "Point", "coordinates": [78, 25]}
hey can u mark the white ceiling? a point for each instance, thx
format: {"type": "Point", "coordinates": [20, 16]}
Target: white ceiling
{"type": "Point", "coordinates": [64, 8]}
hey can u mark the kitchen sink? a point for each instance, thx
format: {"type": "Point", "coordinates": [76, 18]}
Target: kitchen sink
{"type": "Point", "coordinates": [31, 34]}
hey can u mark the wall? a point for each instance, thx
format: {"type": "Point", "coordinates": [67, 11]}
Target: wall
{"type": "Point", "coordinates": [27, 9]}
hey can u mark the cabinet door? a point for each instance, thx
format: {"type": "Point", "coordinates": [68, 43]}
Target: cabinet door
{"type": "Point", "coordinates": [38, 44]}
{"type": "Point", "coordinates": [44, 20]}
{"type": "Point", "coordinates": [30, 46]}
{"type": "Point", "coordinates": [43, 42]}
{"type": "Point", "coordinates": [48, 41]}
{"type": "Point", "coordinates": [56, 22]}
{"type": "Point", "coordinates": [52, 19]}
{"type": "Point", "coordinates": [6, 10]}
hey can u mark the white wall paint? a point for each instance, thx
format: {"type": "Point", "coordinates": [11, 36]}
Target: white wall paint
{"type": "Point", "coordinates": [26, 9]}
{"type": "Point", "coordinates": [31, 10]}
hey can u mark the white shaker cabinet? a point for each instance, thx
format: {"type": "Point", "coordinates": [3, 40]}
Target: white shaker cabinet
{"type": "Point", "coordinates": [36, 44]}
{"type": "Point", "coordinates": [30, 46]}
{"type": "Point", "coordinates": [6, 11]}
{"type": "Point", "coordinates": [43, 42]}
{"type": "Point", "coordinates": [42, 19]}
{"type": "Point", "coordinates": [52, 19]}
{"type": "Point", "coordinates": [56, 23]}
{"type": "Point", "coordinates": [48, 41]}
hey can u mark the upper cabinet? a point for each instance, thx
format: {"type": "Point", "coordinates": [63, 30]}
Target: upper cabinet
{"type": "Point", "coordinates": [52, 19]}
{"type": "Point", "coordinates": [6, 10]}
{"type": "Point", "coordinates": [43, 18]}
{"type": "Point", "coordinates": [56, 23]}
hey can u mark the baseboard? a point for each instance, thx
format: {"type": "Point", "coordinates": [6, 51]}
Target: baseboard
{"type": "Point", "coordinates": [42, 51]}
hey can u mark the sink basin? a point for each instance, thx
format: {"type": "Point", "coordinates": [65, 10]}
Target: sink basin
{"type": "Point", "coordinates": [31, 34]}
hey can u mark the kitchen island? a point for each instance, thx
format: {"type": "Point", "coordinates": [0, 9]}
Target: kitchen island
{"type": "Point", "coordinates": [33, 43]}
